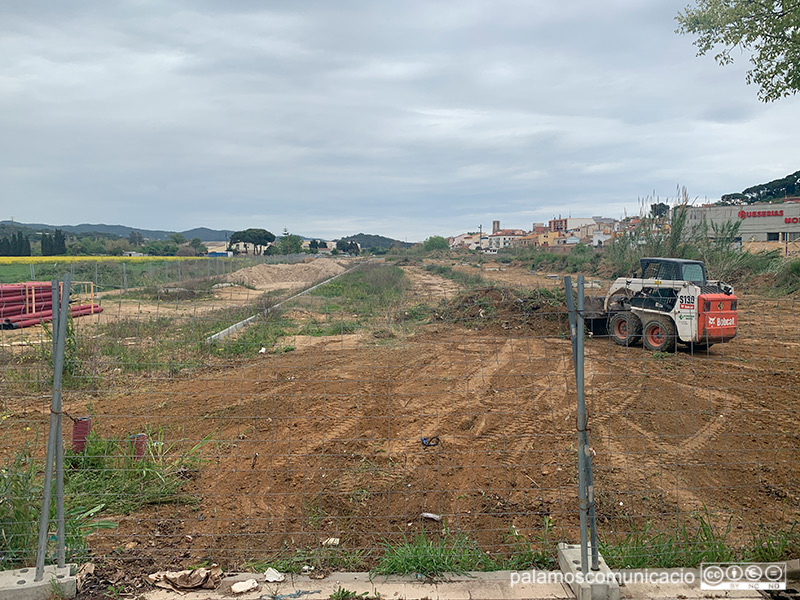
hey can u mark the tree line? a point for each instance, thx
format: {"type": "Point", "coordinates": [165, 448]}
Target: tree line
{"type": "Point", "coordinates": [17, 245]}
{"type": "Point", "coordinates": [261, 240]}
{"type": "Point", "coordinates": [54, 244]}
{"type": "Point", "coordinates": [777, 189]}
{"type": "Point", "coordinates": [265, 242]}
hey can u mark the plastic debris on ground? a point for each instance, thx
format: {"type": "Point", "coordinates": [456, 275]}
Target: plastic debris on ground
{"type": "Point", "coordinates": [242, 587]}
{"type": "Point", "coordinates": [273, 576]}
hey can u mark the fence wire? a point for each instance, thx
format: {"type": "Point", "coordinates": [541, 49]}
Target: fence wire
{"type": "Point", "coordinates": [393, 407]}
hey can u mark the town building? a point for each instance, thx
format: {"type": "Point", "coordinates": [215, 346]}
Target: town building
{"type": "Point", "coordinates": [502, 238]}
{"type": "Point", "coordinates": [569, 223]}
{"type": "Point", "coordinates": [768, 222]}
{"type": "Point", "coordinates": [606, 222]}
{"type": "Point", "coordinates": [528, 241]}
{"type": "Point", "coordinates": [601, 239]}
{"type": "Point", "coordinates": [569, 240]}
{"type": "Point", "coordinates": [470, 241]}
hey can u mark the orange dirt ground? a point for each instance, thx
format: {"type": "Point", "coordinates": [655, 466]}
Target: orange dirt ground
{"type": "Point", "coordinates": [325, 441]}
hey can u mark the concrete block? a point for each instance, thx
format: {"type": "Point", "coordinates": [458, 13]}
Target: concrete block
{"type": "Point", "coordinates": [19, 584]}
{"type": "Point", "coordinates": [793, 569]}
{"type": "Point", "coordinates": [569, 560]}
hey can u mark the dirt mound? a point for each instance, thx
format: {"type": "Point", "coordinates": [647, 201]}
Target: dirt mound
{"type": "Point", "coordinates": [541, 312]}
{"type": "Point", "coordinates": [267, 277]}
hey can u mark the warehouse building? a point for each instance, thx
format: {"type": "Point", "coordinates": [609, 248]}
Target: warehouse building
{"type": "Point", "coordinates": [758, 222]}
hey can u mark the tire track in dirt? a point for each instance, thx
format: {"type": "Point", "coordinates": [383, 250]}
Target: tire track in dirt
{"type": "Point", "coordinates": [429, 287]}
{"type": "Point", "coordinates": [705, 435]}
{"type": "Point", "coordinates": [638, 466]}
{"type": "Point", "coordinates": [685, 448]}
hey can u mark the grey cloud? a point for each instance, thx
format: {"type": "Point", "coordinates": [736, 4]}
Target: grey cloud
{"type": "Point", "coordinates": [405, 119]}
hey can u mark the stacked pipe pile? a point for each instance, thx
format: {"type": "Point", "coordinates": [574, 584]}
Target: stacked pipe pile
{"type": "Point", "coordinates": [31, 303]}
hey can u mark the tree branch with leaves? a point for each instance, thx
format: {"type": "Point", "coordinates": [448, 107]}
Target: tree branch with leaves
{"type": "Point", "coordinates": [769, 29]}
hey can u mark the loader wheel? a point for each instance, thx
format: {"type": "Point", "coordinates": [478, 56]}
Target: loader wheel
{"type": "Point", "coordinates": [625, 328]}
{"type": "Point", "coordinates": [659, 334]}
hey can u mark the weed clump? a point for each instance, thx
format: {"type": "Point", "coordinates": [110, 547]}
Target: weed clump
{"type": "Point", "coordinates": [21, 487]}
{"type": "Point", "coordinates": [107, 472]}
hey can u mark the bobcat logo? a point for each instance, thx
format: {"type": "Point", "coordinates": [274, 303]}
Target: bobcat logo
{"type": "Point", "coordinates": [720, 322]}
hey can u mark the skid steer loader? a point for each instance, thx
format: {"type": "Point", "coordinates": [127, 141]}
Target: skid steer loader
{"type": "Point", "coordinates": [670, 301]}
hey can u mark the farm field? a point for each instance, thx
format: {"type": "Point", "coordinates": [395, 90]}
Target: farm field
{"type": "Point", "coordinates": [309, 424]}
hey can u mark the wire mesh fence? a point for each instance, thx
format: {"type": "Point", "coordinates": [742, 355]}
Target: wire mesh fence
{"type": "Point", "coordinates": [397, 411]}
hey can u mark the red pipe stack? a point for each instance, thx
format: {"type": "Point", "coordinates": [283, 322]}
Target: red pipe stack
{"type": "Point", "coordinates": [31, 303]}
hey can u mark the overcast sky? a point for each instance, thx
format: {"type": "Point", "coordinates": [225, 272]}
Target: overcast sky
{"type": "Point", "coordinates": [333, 117]}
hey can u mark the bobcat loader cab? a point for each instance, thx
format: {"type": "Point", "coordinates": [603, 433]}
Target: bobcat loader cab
{"type": "Point", "coordinates": [671, 300]}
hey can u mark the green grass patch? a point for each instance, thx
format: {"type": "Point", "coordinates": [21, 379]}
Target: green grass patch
{"type": "Point", "coordinates": [264, 332]}
{"type": "Point", "coordinates": [695, 542]}
{"type": "Point", "coordinates": [317, 329]}
{"type": "Point", "coordinates": [105, 478]}
{"type": "Point", "coordinates": [430, 557]}
{"type": "Point", "coordinates": [457, 553]}
{"type": "Point", "coordinates": [14, 273]}
{"type": "Point", "coordinates": [107, 473]}
{"type": "Point", "coordinates": [365, 289]}
{"type": "Point", "coordinates": [787, 280]}
{"type": "Point", "coordinates": [465, 279]}
{"type": "Point", "coordinates": [21, 487]}
{"type": "Point", "coordinates": [427, 556]}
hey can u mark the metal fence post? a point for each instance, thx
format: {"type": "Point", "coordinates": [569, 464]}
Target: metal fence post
{"type": "Point", "coordinates": [63, 322]}
{"type": "Point", "coordinates": [588, 522]}
{"type": "Point", "coordinates": [582, 504]}
{"type": "Point", "coordinates": [55, 444]}
{"type": "Point", "coordinates": [583, 426]}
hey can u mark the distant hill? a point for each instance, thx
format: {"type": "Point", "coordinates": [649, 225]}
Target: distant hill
{"type": "Point", "coordinates": [366, 240]}
{"type": "Point", "coordinates": [777, 189]}
{"type": "Point", "coordinates": [205, 234]}
{"type": "Point", "coordinates": [9, 228]}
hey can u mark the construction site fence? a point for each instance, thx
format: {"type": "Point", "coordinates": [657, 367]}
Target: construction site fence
{"type": "Point", "coordinates": [392, 408]}
{"type": "Point", "coordinates": [118, 273]}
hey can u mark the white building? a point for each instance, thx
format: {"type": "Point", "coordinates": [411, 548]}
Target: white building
{"type": "Point", "coordinates": [600, 239]}
{"type": "Point", "coordinates": [768, 222]}
{"type": "Point", "coordinates": [469, 240]}
{"type": "Point", "coordinates": [503, 238]}
{"type": "Point", "coordinates": [571, 240]}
